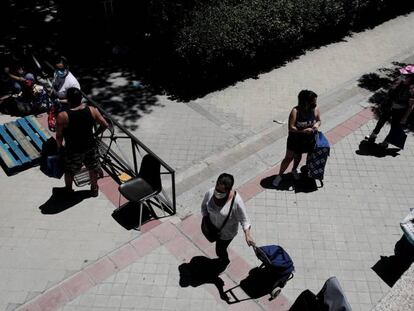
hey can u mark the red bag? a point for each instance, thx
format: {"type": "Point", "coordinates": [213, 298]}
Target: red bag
{"type": "Point", "coordinates": [51, 118]}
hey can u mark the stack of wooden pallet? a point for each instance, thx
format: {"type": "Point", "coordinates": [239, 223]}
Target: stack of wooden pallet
{"type": "Point", "coordinates": [21, 143]}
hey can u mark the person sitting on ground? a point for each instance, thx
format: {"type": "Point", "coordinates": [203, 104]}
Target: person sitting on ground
{"type": "Point", "coordinates": [35, 94]}
{"type": "Point", "coordinates": [399, 105]}
{"type": "Point", "coordinates": [16, 78]}
{"type": "Point", "coordinates": [75, 127]}
{"type": "Point", "coordinates": [32, 98]}
{"type": "Point", "coordinates": [304, 121]}
{"type": "Point", "coordinates": [63, 79]}
{"type": "Point", "coordinates": [216, 205]}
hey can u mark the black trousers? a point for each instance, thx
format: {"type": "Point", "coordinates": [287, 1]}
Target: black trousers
{"type": "Point", "coordinates": [395, 115]}
{"type": "Point", "coordinates": [221, 250]}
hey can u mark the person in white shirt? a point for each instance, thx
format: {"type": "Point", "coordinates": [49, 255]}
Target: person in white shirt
{"type": "Point", "coordinates": [216, 205]}
{"type": "Point", "coordinates": [63, 79]}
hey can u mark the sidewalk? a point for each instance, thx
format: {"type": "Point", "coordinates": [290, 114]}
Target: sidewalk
{"type": "Point", "coordinates": [81, 259]}
{"type": "Point", "coordinates": [332, 231]}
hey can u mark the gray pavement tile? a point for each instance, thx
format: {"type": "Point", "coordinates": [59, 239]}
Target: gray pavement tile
{"type": "Point", "coordinates": [193, 138]}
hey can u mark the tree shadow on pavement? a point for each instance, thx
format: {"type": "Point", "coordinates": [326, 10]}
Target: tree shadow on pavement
{"type": "Point", "coordinates": [288, 183]}
{"type": "Point", "coordinates": [60, 202]}
{"type": "Point", "coordinates": [119, 92]}
{"type": "Point", "coordinates": [367, 148]}
{"type": "Point", "coordinates": [202, 270]}
{"type": "Point", "coordinates": [391, 268]}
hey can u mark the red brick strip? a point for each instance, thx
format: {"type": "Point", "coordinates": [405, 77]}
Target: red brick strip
{"type": "Point", "coordinates": [184, 242]}
{"type": "Point", "coordinates": [92, 275]}
{"type": "Point", "coordinates": [237, 271]}
{"type": "Point", "coordinates": [252, 188]}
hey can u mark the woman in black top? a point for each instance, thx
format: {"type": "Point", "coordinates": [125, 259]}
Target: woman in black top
{"type": "Point", "coordinates": [304, 121]}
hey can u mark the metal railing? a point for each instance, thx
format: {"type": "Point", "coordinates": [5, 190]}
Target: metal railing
{"type": "Point", "coordinates": [119, 167]}
{"type": "Point", "coordinates": [116, 161]}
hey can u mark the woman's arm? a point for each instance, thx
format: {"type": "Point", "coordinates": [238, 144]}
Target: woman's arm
{"type": "Point", "coordinates": [248, 237]}
{"type": "Point", "coordinates": [292, 122]}
{"type": "Point", "coordinates": [204, 211]}
{"type": "Point", "coordinates": [317, 124]}
{"type": "Point", "coordinates": [244, 221]}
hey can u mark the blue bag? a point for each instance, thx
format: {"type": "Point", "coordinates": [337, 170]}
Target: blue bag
{"type": "Point", "coordinates": [51, 162]}
{"type": "Point", "coordinates": [316, 160]}
{"type": "Point", "coordinates": [54, 167]}
{"type": "Point", "coordinates": [321, 141]}
{"type": "Point", "coordinates": [277, 257]}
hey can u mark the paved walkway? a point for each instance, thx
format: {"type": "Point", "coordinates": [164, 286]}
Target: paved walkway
{"type": "Point", "coordinates": [79, 258]}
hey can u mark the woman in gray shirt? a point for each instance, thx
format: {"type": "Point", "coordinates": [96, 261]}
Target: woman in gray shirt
{"type": "Point", "coordinates": [216, 205]}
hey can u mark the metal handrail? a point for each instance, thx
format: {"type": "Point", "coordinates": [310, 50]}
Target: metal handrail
{"type": "Point", "coordinates": [136, 142]}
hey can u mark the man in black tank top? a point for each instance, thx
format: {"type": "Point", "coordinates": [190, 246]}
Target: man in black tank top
{"type": "Point", "coordinates": [75, 127]}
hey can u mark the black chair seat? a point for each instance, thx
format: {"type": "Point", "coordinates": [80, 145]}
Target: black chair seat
{"type": "Point", "coordinates": [137, 189]}
{"type": "Point", "coordinates": [146, 185]}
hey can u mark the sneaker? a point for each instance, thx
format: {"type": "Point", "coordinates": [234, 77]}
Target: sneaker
{"type": "Point", "coordinates": [295, 175]}
{"type": "Point", "coordinates": [277, 181]}
{"type": "Point", "coordinates": [371, 138]}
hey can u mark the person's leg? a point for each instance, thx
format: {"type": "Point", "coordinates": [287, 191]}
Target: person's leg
{"type": "Point", "coordinates": [384, 117]}
{"type": "Point", "coordinates": [92, 164]}
{"type": "Point", "coordinates": [289, 156]}
{"type": "Point", "coordinates": [221, 251]}
{"type": "Point", "coordinates": [296, 160]}
{"type": "Point", "coordinates": [72, 164]}
{"type": "Point", "coordinates": [283, 166]}
{"type": "Point", "coordinates": [68, 180]}
{"type": "Point", "coordinates": [93, 175]}
{"type": "Point", "coordinates": [396, 116]}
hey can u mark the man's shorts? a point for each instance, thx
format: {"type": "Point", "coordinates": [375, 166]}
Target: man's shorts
{"type": "Point", "coordinates": [74, 161]}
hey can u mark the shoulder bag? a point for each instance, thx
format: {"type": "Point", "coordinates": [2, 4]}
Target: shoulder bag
{"type": "Point", "coordinates": [210, 231]}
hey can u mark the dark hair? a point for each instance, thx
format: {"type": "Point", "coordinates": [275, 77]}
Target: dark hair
{"type": "Point", "coordinates": [226, 180]}
{"type": "Point", "coordinates": [61, 60]}
{"type": "Point", "coordinates": [74, 96]}
{"type": "Point", "coordinates": [305, 96]}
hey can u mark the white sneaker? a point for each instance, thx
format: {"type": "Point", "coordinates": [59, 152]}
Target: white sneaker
{"type": "Point", "coordinates": [371, 138]}
{"type": "Point", "coordinates": [277, 181]}
{"type": "Point", "coordinates": [296, 175]}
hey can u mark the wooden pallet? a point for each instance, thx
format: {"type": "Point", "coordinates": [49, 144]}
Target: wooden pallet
{"type": "Point", "coordinates": [21, 143]}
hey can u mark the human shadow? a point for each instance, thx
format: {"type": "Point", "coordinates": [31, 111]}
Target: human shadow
{"type": "Point", "coordinates": [288, 183]}
{"type": "Point", "coordinates": [60, 202]}
{"type": "Point", "coordinates": [202, 270]}
{"type": "Point", "coordinates": [391, 268]}
{"type": "Point", "coordinates": [128, 215]}
{"type": "Point", "coordinates": [367, 148]}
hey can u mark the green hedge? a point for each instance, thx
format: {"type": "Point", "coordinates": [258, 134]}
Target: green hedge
{"type": "Point", "coordinates": [226, 34]}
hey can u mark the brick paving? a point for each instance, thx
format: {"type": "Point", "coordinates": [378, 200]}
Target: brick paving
{"type": "Point", "coordinates": [80, 259]}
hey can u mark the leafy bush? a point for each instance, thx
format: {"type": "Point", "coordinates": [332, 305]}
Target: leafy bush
{"type": "Point", "coordinates": [226, 34]}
